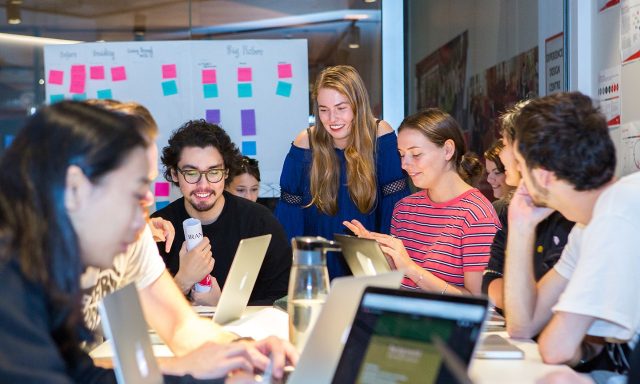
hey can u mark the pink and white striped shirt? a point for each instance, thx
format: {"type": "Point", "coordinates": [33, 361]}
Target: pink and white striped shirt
{"type": "Point", "coordinates": [446, 239]}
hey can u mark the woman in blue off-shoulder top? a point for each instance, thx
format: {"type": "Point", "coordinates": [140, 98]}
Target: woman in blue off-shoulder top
{"type": "Point", "coordinates": [345, 167]}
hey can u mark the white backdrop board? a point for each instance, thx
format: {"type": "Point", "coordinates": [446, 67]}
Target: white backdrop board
{"type": "Point", "coordinates": [257, 90]}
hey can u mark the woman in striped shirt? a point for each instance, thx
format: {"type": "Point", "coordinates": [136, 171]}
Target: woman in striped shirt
{"type": "Point", "coordinates": [440, 236]}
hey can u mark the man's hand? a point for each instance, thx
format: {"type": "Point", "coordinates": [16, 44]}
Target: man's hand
{"type": "Point", "coordinates": [194, 265]}
{"type": "Point", "coordinates": [523, 213]}
{"type": "Point", "coordinates": [162, 230]}
{"type": "Point", "coordinates": [211, 360]}
{"type": "Point", "coordinates": [207, 298]}
{"type": "Point", "coordinates": [280, 351]}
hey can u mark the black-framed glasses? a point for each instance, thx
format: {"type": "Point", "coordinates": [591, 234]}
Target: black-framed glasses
{"type": "Point", "coordinates": [213, 175]}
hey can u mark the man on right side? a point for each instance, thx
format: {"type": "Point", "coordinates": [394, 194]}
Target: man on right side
{"type": "Point", "coordinates": [567, 160]}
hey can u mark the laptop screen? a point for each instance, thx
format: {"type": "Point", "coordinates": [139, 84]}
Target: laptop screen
{"type": "Point", "coordinates": [391, 339]}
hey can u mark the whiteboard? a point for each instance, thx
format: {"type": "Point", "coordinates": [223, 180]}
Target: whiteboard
{"type": "Point", "coordinates": [257, 90]}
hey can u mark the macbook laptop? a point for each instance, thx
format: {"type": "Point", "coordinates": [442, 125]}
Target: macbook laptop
{"type": "Point", "coordinates": [497, 347]}
{"type": "Point", "coordinates": [123, 323]}
{"type": "Point", "coordinates": [364, 256]}
{"type": "Point", "coordinates": [241, 278]}
{"type": "Point", "coordinates": [324, 345]}
{"type": "Point", "coordinates": [393, 332]}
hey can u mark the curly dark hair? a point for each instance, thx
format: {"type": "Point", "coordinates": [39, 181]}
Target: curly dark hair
{"type": "Point", "coordinates": [199, 133]}
{"type": "Point", "coordinates": [564, 133]}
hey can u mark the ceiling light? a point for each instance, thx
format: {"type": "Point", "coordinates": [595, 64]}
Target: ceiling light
{"type": "Point", "coordinates": [13, 13]}
{"type": "Point", "coordinates": [139, 24]}
{"type": "Point", "coordinates": [7, 38]}
{"type": "Point", "coordinates": [353, 38]}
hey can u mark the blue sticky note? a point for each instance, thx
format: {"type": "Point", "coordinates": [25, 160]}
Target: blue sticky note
{"type": "Point", "coordinates": [244, 90]}
{"type": "Point", "coordinates": [284, 89]}
{"type": "Point", "coordinates": [105, 94]}
{"type": "Point", "coordinates": [55, 98]}
{"type": "Point", "coordinates": [161, 204]}
{"type": "Point", "coordinates": [249, 148]}
{"type": "Point", "coordinates": [169, 88]}
{"type": "Point", "coordinates": [8, 139]}
{"type": "Point", "coordinates": [210, 90]}
{"type": "Point", "coordinates": [79, 96]}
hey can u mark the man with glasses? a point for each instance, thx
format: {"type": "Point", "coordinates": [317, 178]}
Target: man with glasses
{"type": "Point", "coordinates": [197, 160]}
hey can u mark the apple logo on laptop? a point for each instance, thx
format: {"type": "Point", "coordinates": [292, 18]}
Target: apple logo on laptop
{"type": "Point", "coordinates": [243, 281]}
{"type": "Point", "coordinates": [141, 360]}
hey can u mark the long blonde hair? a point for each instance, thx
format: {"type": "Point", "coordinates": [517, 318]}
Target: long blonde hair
{"type": "Point", "coordinates": [359, 152]}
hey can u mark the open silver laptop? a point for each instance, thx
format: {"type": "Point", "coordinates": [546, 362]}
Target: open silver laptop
{"type": "Point", "coordinates": [241, 278]}
{"type": "Point", "coordinates": [364, 256]}
{"type": "Point", "coordinates": [324, 346]}
{"type": "Point", "coordinates": [123, 323]}
{"type": "Point", "coordinates": [392, 338]}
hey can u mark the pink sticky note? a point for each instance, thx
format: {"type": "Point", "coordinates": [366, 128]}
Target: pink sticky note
{"type": "Point", "coordinates": [162, 188]}
{"type": "Point", "coordinates": [284, 71]}
{"type": "Point", "coordinates": [244, 74]}
{"type": "Point", "coordinates": [77, 86]}
{"type": "Point", "coordinates": [118, 73]}
{"type": "Point", "coordinates": [209, 76]}
{"type": "Point", "coordinates": [96, 72]}
{"type": "Point", "coordinates": [169, 71]}
{"type": "Point", "coordinates": [55, 77]}
{"type": "Point", "coordinates": [78, 70]}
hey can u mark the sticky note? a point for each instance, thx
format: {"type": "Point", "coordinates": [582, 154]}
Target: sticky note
{"type": "Point", "coordinates": [210, 90]}
{"type": "Point", "coordinates": [96, 72]}
{"type": "Point", "coordinates": [161, 204]}
{"type": "Point", "coordinates": [78, 70]}
{"type": "Point", "coordinates": [79, 96]}
{"type": "Point", "coordinates": [161, 188]}
{"type": "Point", "coordinates": [56, 77]}
{"type": "Point", "coordinates": [169, 88]}
{"type": "Point", "coordinates": [284, 71]}
{"type": "Point", "coordinates": [248, 122]}
{"type": "Point", "coordinates": [55, 98]}
{"type": "Point", "coordinates": [244, 74]}
{"type": "Point", "coordinates": [8, 139]}
{"type": "Point", "coordinates": [212, 116]}
{"type": "Point", "coordinates": [104, 94]}
{"type": "Point", "coordinates": [283, 89]}
{"type": "Point", "coordinates": [209, 76]}
{"type": "Point", "coordinates": [118, 73]}
{"type": "Point", "coordinates": [76, 87]}
{"type": "Point", "coordinates": [249, 148]}
{"type": "Point", "coordinates": [244, 90]}
{"type": "Point", "coordinates": [169, 71]}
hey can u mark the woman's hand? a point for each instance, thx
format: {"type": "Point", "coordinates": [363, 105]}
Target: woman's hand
{"type": "Point", "coordinates": [358, 229]}
{"type": "Point", "coordinates": [162, 230]}
{"type": "Point", "coordinates": [395, 252]}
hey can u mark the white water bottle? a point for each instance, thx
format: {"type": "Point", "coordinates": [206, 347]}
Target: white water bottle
{"type": "Point", "coordinates": [193, 236]}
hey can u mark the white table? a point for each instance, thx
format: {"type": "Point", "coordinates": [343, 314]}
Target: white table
{"type": "Point", "coordinates": [528, 370]}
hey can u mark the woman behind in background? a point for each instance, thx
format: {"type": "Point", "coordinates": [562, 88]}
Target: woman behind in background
{"type": "Point", "coordinates": [440, 235]}
{"type": "Point", "coordinates": [245, 180]}
{"type": "Point", "coordinates": [496, 177]}
{"type": "Point", "coordinates": [345, 167]}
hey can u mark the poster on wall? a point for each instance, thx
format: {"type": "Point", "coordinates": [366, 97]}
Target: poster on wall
{"type": "Point", "coordinates": [609, 95]}
{"type": "Point", "coordinates": [257, 90]}
{"type": "Point", "coordinates": [496, 89]}
{"type": "Point", "coordinates": [441, 77]}
{"type": "Point", "coordinates": [629, 147]}
{"type": "Point", "coordinates": [630, 30]}
{"type": "Point", "coordinates": [554, 63]}
{"type": "Point", "coordinates": [604, 5]}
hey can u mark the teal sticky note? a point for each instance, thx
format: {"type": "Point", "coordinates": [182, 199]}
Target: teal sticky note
{"type": "Point", "coordinates": [169, 88]}
{"type": "Point", "coordinates": [210, 90]}
{"type": "Point", "coordinates": [79, 96]}
{"type": "Point", "coordinates": [161, 204]}
{"type": "Point", "coordinates": [55, 98]}
{"type": "Point", "coordinates": [105, 94]}
{"type": "Point", "coordinates": [244, 90]}
{"type": "Point", "coordinates": [284, 89]}
{"type": "Point", "coordinates": [249, 148]}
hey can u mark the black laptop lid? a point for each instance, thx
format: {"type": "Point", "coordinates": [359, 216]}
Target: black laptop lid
{"type": "Point", "coordinates": [392, 336]}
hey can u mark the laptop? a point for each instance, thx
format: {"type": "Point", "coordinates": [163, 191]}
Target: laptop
{"type": "Point", "coordinates": [123, 323]}
{"type": "Point", "coordinates": [241, 278]}
{"type": "Point", "coordinates": [393, 332]}
{"type": "Point", "coordinates": [364, 256]}
{"type": "Point", "coordinates": [324, 345]}
{"type": "Point", "coordinates": [497, 347]}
